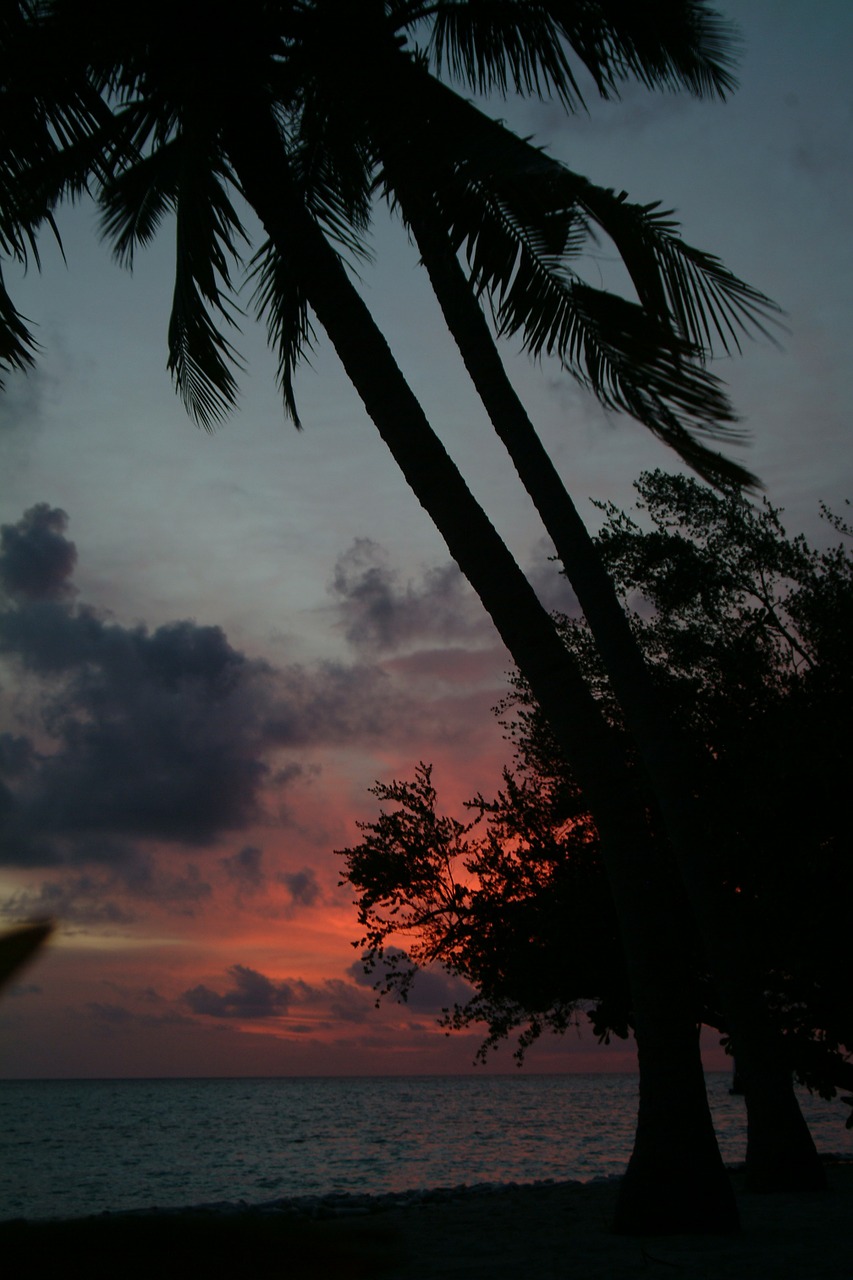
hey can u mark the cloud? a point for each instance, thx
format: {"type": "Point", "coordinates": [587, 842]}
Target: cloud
{"type": "Point", "coordinates": [123, 738]}
{"type": "Point", "coordinates": [181, 893]}
{"type": "Point", "coordinates": [36, 559]}
{"type": "Point", "coordinates": [113, 1016]}
{"type": "Point", "coordinates": [346, 1001]}
{"type": "Point", "coordinates": [244, 869]}
{"type": "Point", "coordinates": [139, 736]}
{"type": "Point", "coordinates": [302, 886]}
{"type": "Point", "coordinates": [333, 702]}
{"type": "Point", "coordinates": [17, 755]}
{"type": "Point", "coordinates": [83, 902]}
{"type": "Point", "coordinates": [253, 995]}
{"type": "Point", "coordinates": [78, 901]}
{"type": "Point", "coordinates": [378, 613]}
{"type": "Point", "coordinates": [291, 1005]}
{"type": "Point", "coordinates": [432, 991]}
{"type": "Point", "coordinates": [153, 736]}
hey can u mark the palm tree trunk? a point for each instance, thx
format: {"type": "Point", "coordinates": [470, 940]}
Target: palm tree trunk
{"type": "Point", "coordinates": [676, 1180]}
{"type": "Point", "coordinates": [780, 1152]}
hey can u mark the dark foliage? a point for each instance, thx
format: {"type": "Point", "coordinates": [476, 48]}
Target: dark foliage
{"type": "Point", "coordinates": [199, 1242]}
{"type": "Point", "coordinates": [745, 628]}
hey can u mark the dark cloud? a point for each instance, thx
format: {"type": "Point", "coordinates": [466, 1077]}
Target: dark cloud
{"type": "Point", "coordinates": [245, 994]}
{"type": "Point", "coordinates": [346, 1002]}
{"type": "Point", "coordinates": [144, 995]}
{"type": "Point", "coordinates": [432, 990]}
{"type": "Point", "coordinates": [244, 869]}
{"type": "Point", "coordinates": [165, 735]}
{"type": "Point", "coordinates": [81, 901]}
{"type": "Point", "coordinates": [180, 892]}
{"type": "Point", "coordinates": [302, 886]}
{"type": "Point", "coordinates": [88, 901]}
{"type": "Point", "coordinates": [158, 736]}
{"type": "Point", "coordinates": [113, 1016]}
{"type": "Point", "coordinates": [16, 755]}
{"type": "Point", "coordinates": [252, 995]}
{"type": "Point", "coordinates": [379, 613]}
{"type": "Point", "coordinates": [333, 702]}
{"type": "Point", "coordinates": [126, 737]}
{"type": "Point", "coordinates": [36, 559]}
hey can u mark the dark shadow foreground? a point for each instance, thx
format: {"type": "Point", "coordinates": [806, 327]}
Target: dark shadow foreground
{"type": "Point", "coordinates": [204, 1243]}
{"type": "Point", "coordinates": [549, 1231]}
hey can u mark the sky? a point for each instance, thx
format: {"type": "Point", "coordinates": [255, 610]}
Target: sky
{"type": "Point", "coordinates": [213, 645]}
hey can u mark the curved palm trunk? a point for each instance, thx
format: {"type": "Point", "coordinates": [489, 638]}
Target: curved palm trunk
{"type": "Point", "coordinates": [780, 1151]}
{"type": "Point", "coordinates": [676, 1181]}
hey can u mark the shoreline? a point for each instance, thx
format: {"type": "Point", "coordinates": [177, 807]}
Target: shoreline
{"type": "Point", "coordinates": [480, 1232]}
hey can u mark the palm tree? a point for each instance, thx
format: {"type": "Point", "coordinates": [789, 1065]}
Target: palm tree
{"type": "Point", "coordinates": [518, 214]}
{"type": "Point", "coordinates": [50, 119]}
{"type": "Point", "coordinates": [200, 111]}
{"type": "Point", "coordinates": [184, 134]}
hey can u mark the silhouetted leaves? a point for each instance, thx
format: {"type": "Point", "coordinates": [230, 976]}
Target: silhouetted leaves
{"type": "Point", "coordinates": [747, 631]}
{"type": "Point", "coordinates": [19, 946]}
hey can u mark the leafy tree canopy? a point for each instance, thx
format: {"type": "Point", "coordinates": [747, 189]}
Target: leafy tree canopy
{"type": "Point", "coordinates": [745, 628]}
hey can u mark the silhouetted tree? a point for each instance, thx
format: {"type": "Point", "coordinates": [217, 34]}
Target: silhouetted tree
{"type": "Point", "coordinates": [746, 630]}
{"type": "Point", "coordinates": [522, 220]}
{"type": "Point", "coordinates": [199, 110]}
{"type": "Point", "coordinates": [204, 108]}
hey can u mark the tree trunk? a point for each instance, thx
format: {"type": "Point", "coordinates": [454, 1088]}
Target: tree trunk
{"type": "Point", "coordinates": [780, 1152]}
{"type": "Point", "coordinates": [678, 1150]}
{"type": "Point", "coordinates": [670, 1131]}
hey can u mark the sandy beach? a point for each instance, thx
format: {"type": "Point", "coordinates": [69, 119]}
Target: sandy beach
{"type": "Point", "coordinates": [564, 1231]}
{"type": "Point", "coordinates": [545, 1231]}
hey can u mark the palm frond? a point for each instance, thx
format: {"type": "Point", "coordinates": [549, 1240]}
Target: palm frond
{"type": "Point", "coordinates": [53, 119]}
{"type": "Point", "coordinates": [53, 125]}
{"type": "Point", "coordinates": [279, 299]}
{"type": "Point", "coordinates": [335, 183]}
{"type": "Point", "coordinates": [704, 302]}
{"type": "Point", "coordinates": [502, 47]}
{"type": "Point", "coordinates": [522, 221]}
{"type": "Point", "coordinates": [609, 346]}
{"type": "Point", "coordinates": [662, 44]}
{"type": "Point", "coordinates": [134, 202]}
{"type": "Point", "coordinates": [17, 344]}
{"type": "Point", "coordinates": [521, 45]}
{"type": "Point", "coordinates": [616, 349]}
{"type": "Point", "coordinates": [200, 357]}
{"type": "Point", "coordinates": [321, 88]}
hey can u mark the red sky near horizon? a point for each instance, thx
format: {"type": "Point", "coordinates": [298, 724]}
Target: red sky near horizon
{"type": "Point", "coordinates": [183, 800]}
{"type": "Point", "coordinates": [212, 655]}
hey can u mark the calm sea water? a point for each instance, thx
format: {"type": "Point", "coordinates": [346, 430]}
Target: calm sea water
{"type": "Point", "coordinates": [76, 1147]}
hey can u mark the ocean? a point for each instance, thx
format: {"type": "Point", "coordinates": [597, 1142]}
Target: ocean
{"type": "Point", "coordinates": [73, 1147]}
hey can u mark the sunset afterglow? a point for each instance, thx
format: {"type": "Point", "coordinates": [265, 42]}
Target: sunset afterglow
{"type": "Point", "coordinates": [211, 646]}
